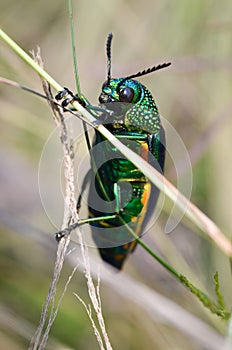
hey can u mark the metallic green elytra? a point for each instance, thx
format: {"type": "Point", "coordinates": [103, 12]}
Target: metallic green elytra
{"type": "Point", "coordinates": [117, 186]}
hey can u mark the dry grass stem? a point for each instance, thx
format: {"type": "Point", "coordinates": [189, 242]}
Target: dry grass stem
{"type": "Point", "coordinates": [38, 340]}
{"type": "Point", "coordinates": [89, 313]}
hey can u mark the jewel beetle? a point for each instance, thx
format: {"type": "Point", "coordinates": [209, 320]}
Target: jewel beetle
{"type": "Point", "coordinates": [120, 196]}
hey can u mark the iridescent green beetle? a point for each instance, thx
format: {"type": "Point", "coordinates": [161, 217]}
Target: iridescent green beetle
{"type": "Point", "coordinates": [117, 186]}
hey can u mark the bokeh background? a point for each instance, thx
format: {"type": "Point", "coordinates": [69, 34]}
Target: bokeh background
{"type": "Point", "coordinates": [194, 95]}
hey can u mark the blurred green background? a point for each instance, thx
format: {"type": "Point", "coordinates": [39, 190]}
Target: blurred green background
{"type": "Point", "coordinates": [194, 95]}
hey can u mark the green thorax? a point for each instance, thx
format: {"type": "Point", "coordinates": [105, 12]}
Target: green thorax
{"type": "Point", "coordinates": [132, 103]}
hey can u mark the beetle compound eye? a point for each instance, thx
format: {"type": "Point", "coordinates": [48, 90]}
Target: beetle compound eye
{"type": "Point", "coordinates": [126, 95]}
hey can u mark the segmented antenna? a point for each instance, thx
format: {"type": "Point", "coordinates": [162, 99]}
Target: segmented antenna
{"type": "Point", "coordinates": [146, 71]}
{"type": "Point", "coordinates": [108, 53]}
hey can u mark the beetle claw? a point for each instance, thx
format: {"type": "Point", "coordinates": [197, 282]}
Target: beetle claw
{"type": "Point", "coordinates": [63, 93]}
{"type": "Point", "coordinates": [68, 97]}
{"type": "Point", "coordinates": [66, 102]}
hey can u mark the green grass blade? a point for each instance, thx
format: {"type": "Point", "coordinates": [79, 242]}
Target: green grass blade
{"type": "Point", "coordinates": [74, 47]}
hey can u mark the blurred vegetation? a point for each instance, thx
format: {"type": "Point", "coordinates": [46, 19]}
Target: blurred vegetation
{"type": "Point", "coordinates": [194, 95]}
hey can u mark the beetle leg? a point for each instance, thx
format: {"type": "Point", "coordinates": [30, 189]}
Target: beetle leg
{"type": "Point", "coordinates": [69, 97]}
{"type": "Point", "coordinates": [68, 230]}
{"type": "Point", "coordinates": [83, 187]}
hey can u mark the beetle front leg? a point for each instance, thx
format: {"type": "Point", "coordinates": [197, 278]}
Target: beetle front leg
{"type": "Point", "coordinates": [68, 97]}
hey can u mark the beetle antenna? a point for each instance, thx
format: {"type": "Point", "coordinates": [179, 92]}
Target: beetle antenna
{"type": "Point", "coordinates": [108, 53]}
{"type": "Point", "coordinates": [147, 71]}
